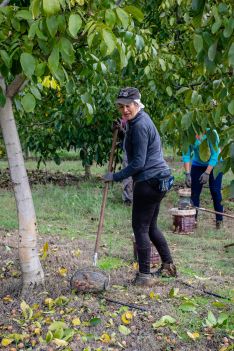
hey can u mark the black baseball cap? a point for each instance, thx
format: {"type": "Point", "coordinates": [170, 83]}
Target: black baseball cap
{"type": "Point", "coordinates": [128, 95]}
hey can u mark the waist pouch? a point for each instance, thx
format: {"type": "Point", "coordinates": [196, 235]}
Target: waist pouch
{"type": "Point", "coordinates": [163, 182]}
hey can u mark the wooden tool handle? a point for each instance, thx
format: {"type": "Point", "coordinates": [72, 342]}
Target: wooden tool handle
{"type": "Point", "coordinates": [104, 197]}
{"type": "Point", "coordinates": [215, 212]}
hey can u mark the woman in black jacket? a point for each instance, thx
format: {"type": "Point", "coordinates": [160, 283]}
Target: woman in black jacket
{"type": "Point", "coordinates": [152, 179]}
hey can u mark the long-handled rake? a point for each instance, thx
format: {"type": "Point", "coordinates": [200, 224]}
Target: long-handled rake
{"type": "Point", "coordinates": [92, 279]}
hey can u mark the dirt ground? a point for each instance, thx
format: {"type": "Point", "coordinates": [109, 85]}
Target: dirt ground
{"type": "Point", "coordinates": [64, 257]}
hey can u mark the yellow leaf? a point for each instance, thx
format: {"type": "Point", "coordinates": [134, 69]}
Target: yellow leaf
{"type": "Point", "coordinates": [127, 317]}
{"type": "Point", "coordinates": [53, 83]}
{"type": "Point", "coordinates": [224, 348]}
{"type": "Point", "coordinates": [49, 302]}
{"type": "Point", "coordinates": [60, 342]}
{"type": "Point", "coordinates": [62, 271]}
{"type": "Point", "coordinates": [45, 251]}
{"type": "Point", "coordinates": [105, 338]}
{"type": "Point", "coordinates": [135, 266]}
{"type": "Point", "coordinates": [194, 335]}
{"type": "Point", "coordinates": [7, 298]}
{"type": "Point", "coordinates": [76, 321]}
{"type": "Point", "coordinates": [77, 253]}
{"type": "Point", "coordinates": [37, 331]}
{"type": "Point", "coordinates": [154, 296]}
{"type": "Point", "coordinates": [46, 82]}
{"type": "Point", "coordinates": [6, 342]}
{"type": "Point", "coordinates": [80, 2]}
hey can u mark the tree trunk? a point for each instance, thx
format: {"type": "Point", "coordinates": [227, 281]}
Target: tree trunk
{"type": "Point", "coordinates": [28, 254]}
{"type": "Point", "coordinates": [87, 171]}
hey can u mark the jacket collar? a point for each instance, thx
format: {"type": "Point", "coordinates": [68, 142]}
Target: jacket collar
{"type": "Point", "coordinates": [136, 118]}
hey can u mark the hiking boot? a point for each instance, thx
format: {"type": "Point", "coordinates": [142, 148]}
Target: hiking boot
{"type": "Point", "coordinates": [143, 279]}
{"type": "Point", "coordinates": [219, 224]}
{"type": "Point", "coordinates": [167, 270]}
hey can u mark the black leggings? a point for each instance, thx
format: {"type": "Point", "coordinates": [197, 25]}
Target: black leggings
{"type": "Point", "coordinates": [146, 203]}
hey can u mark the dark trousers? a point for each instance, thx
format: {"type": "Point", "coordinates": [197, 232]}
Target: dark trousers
{"type": "Point", "coordinates": [214, 185]}
{"type": "Point", "coordinates": [145, 210]}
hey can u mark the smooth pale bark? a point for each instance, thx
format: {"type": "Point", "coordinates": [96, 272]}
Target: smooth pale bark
{"type": "Point", "coordinates": [29, 260]}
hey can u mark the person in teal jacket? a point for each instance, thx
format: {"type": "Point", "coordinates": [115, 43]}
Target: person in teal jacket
{"type": "Point", "coordinates": [198, 173]}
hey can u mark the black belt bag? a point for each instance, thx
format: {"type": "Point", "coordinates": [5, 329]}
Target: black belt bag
{"type": "Point", "coordinates": [163, 182]}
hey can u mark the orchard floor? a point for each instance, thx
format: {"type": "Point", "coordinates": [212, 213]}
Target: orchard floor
{"type": "Point", "coordinates": [99, 321]}
{"type": "Point", "coordinates": [175, 316]}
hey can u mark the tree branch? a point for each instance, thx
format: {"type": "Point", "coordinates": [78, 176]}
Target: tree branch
{"type": "Point", "coordinates": [4, 3]}
{"type": "Point", "coordinates": [15, 86]}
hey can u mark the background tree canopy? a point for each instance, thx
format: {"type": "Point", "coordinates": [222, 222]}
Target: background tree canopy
{"type": "Point", "coordinates": [179, 53]}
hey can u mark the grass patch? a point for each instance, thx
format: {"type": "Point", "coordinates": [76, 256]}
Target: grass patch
{"type": "Point", "coordinates": [109, 263]}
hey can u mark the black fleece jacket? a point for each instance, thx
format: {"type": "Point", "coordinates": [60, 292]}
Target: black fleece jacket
{"type": "Point", "coordinates": [144, 150]}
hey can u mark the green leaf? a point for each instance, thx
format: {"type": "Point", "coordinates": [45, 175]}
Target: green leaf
{"type": "Point", "coordinates": [228, 191]}
{"type": "Point", "coordinates": [49, 336]}
{"type": "Point", "coordinates": [23, 14]}
{"type": "Point", "coordinates": [57, 325]}
{"type": "Point", "coordinates": [173, 292]}
{"type": "Point", "coordinates": [231, 55]}
{"type": "Point", "coordinates": [109, 40]}
{"type": "Point", "coordinates": [164, 321]}
{"type": "Point", "coordinates": [188, 306]}
{"type": "Point", "coordinates": [110, 18]}
{"type": "Point", "coordinates": [198, 42]}
{"type": "Point", "coordinates": [35, 7]}
{"type": "Point", "coordinates": [228, 28]}
{"type": "Point", "coordinates": [5, 57]}
{"type": "Point", "coordinates": [58, 74]}
{"type": "Point", "coordinates": [53, 60]}
{"type": "Point", "coordinates": [231, 107]}
{"type": "Point", "coordinates": [28, 64]}
{"type": "Point", "coordinates": [124, 330]}
{"type": "Point", "coordinates": [162, 64]}
{"type": "Point", "coordinates": [204, 151]}
{"type": "Point", "coordinates": [169, 91]}
{"type": "Point", "coordinates": [2, 98]}
{"type": "Point", "coordinates": [52, 25]}
{"type": "Point", "coordinates": [198, 6]}
{"type": "Point", "coordinates": [123, 58]}
{"type": "Point", "coordinates": [15, 24]}
{"type": "Point", "coordinates": [51, 7]}
{"type": "Point", "coordinates": [40, 69]}
{"type": "Point", "coordinates": [139, 42]}
{"type": "Point", "coordinates": [231, 151]}
{"type": "Point", "coordinates": [58, 333]}
{"type": "Point", "coordinates": [123, 17]}
{"type": "Point", "coordinates": [222, 318]}
{"type": "Point", "coordinates": [182, 90]}
{"type": "Point", "coordinates": [135, 12]}
{"type": "Point", "coordinates": [95, 321]}
{"type": "Point", "coordinates": [215, 27]}
{"type": "Point", "coordinates": [28, 102]}
{"type": "Point", "coordinates": [32, 30]}
{"type": "Point", "coordinates": [35, 92]}
{"type": "Point", "coordinates": [66, 50]}
{"type": "Point", "coordinates": [74, 24]}
{"type": "Point", "coordinates": [212, 51]}
{"type": "Point", "coordinates": [194, 97]}
{"type": "Point", "coordinates": [211, 320]}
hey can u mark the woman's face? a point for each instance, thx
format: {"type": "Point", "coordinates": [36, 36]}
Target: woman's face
{"type": "Point", "coordinates": [128, 111]}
